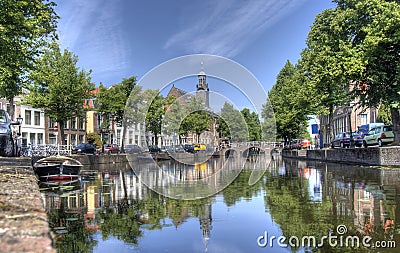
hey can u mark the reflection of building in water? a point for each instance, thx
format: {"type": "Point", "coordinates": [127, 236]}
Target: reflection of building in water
{"type": "Point", "coordinates": [366, 198]}
{"type": "Point", "coordinates": [206, 223]}
{"type": "Point", "coordinates": [359, 195]}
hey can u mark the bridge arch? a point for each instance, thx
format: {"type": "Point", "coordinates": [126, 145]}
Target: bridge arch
{"type": "Point", "coordinates": [230, 153]}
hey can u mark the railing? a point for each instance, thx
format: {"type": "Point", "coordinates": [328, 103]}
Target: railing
{"type": "Point", "coordinates": [45, 150]}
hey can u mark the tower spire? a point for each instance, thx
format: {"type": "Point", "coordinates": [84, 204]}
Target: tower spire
{"type": "Point", "coordinates": [202, 86]}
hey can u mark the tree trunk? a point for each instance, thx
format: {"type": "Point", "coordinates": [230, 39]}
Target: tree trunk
{"type": "Point", "coordinates": [396, 125]}
{"type": "Point", "coordinates": [61, 138]}
{"type": "Point", "coordinates": [156, 139]}
{"type": "Point", "coordinates": [11, 101]}
{"type": "Point", "coordinates": [123, 135]}
{"type": "Point", "coordinates": [331, 130]}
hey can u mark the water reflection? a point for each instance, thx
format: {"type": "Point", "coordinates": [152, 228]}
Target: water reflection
{"type": "Point", "coordinates": [110, 209]}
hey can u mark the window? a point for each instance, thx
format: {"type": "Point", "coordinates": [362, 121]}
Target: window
{"type": "Point", "coordinates": [36, 118]}
{"type": "Point", "coordinates": [136, 139]}
{"type": "Point", "coordinates": [32, 137]}
{"type": "Point", "coordinates": [81, 123]}
{"type": "Point", "coordinates": [98, 120]}
{"type": "Point", "coordinates": [24, 139]}
{"type": "Point", "coordinates": [52, 139]}
{"type": "Point", "coordinates": [66, 124]}
{"type": "Point", "coordinates": [28, 115]}
{"type": "Point", "coordinates": [363, 119]}
{"type": "Point", "coordinates": [73, 139]}
{"type": "Point", "coordinates": [40, 138]}
{"type": "Point", "coordinates": [73, 123]}
{"type": "Point", "coordinates": [80, 138]}
{"type": "Point", "coordinates": [52, 123]}
{"type": "Point", "coordinates": [130, 137]}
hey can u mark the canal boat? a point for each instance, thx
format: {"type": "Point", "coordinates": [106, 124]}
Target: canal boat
{"type": "Point", "coordinates": [57, 168]}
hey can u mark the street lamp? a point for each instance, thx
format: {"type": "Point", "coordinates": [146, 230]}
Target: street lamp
{"type": "Point", "coordinates": [349, 110]}
{"type": "Point", "coordinates": [18, 145]}
{"type": "Point", "coordinates": [19, 120]}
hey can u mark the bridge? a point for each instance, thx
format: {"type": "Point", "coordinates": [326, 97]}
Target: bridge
{"type": "Point", "coordinates": [246, 149]}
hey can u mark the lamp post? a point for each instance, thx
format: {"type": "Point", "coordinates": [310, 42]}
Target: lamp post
{"type": "Point", "coordinates": [19, 120]}
{"type": "Point", "coordinates": [349, 110]}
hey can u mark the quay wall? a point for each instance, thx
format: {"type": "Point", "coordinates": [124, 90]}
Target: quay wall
{"type": "Point", "coordinates": [23, 221]}
{"type": "Point", "coordinates": [380, 156]}
{"type": "Point", "coordinates": [100, 161]}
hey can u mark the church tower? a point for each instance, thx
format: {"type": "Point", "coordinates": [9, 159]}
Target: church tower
{"type": "Point", "coordinates": [202, 90]}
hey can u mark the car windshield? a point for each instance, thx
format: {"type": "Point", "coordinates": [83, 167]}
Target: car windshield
{"type": "Point", "coordinates": [82, 145]}
{"type": "Point", "coordinates": [3, 117]}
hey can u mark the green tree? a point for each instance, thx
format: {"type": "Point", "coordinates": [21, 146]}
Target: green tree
{"type": "Point", "coordinates": [353, 50]}
{"type": "Point", "coordinates": [135, 110]}
{"type": "Point", "coordinates": [25, 27]}
{"type": "Point", "coordinates": [94, 138]}
{"type": "Point", "coordinates": [237, 128]}
{"type": "Point", "coordinates": [291, 104]}
{"type": "Point", "coordinates": [58, 86]}
{"type": "Point", "coordinates": [112, 102]}
{"type": "Point", "coordinates": [196, 120]}
{"type": "Point", "coordinates": [329, 63]}
{"type": "Point", "coordinates": [222, 128]}
{"type": "Point", "coordinates": [384, 115]}
{"type": "Point", "coordinates": [173, 117]}
{"type": "Point", "coordinates": [269, 123]}
{"type": "Point", "coordinates": [376, 34]}
{"type": "Point", "coordinates": [253, 124]}
{"type": "Point", "coordinates": [155, 112]}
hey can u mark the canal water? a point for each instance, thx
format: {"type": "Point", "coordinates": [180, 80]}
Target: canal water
{"type": "Point", "coordinates": [123, 209]}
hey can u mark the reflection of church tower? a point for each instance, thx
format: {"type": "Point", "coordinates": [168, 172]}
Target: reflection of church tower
{"type": "Point", "coordinates": [205, 223]}
{"type": "Point", "coordinates": [202, 90]}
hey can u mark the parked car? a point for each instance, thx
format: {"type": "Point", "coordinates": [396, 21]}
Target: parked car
{"type": "Point", "coordinates": [133, 149]}
{"type": "Point", "coordinates": [8, 134]}
{"type": "Point", "coordinates": [304, 144]}
{"type": "Point", "coordinates": [379, 135]}
{"type": "Point", "coordinates": [84, 148]}
{"type": "Point", "coordinates": [199, 147]}
{"type": "Point", "coordinates": [343, 140]}
{"type": "Point", "coordinates": [188, 148]}
{"type": "Point", "coordinates": [294, 144]}
{"type": "Point", "coordinates": [154, 149]}
{"type": "Point", "coordinates": [364, 129]}
{"type": "Point", "coordinates": [111, 148]}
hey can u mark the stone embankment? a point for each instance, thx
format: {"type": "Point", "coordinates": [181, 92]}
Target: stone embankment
{"type": "Point", "coordinates": [23, 220]}
{"type": "Point", "coordinates": [380, 156]}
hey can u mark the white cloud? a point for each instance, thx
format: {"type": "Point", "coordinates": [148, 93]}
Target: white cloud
{"type": "Point", "coordinates": [223, 29]}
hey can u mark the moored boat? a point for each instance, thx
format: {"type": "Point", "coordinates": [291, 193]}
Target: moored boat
{"type": "Point", "coordinates": [57, 168]}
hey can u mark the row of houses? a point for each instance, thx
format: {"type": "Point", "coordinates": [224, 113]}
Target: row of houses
{"type": "Point", "coordinates": [345, 119]}
{"type": "Point", "coordinates": [37, 128]}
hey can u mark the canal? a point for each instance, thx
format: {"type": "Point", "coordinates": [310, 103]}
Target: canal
{"type": "Point", "coordinates": [123, 209]}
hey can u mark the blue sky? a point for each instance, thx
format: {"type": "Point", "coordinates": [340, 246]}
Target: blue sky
{"type": "Point", "coordinates": [119, 39]}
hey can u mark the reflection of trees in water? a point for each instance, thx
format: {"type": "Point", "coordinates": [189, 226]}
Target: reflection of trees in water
{"type": "Point", "coordinates": [183, 181]}
{"type": "Point", "coordinates": [291, 206]}
{"type": "Point", "coordinates": [68, 221]}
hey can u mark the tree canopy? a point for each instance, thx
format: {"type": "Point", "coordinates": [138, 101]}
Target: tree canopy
{"type": "Point", "coordinates": [58, 86]}
{"type": "Point", "coordinates": [291, 102]}
{"type": "Point", "coordinates": [25, 26]}
{"type": "Point", "coordinates": [353, 53]}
